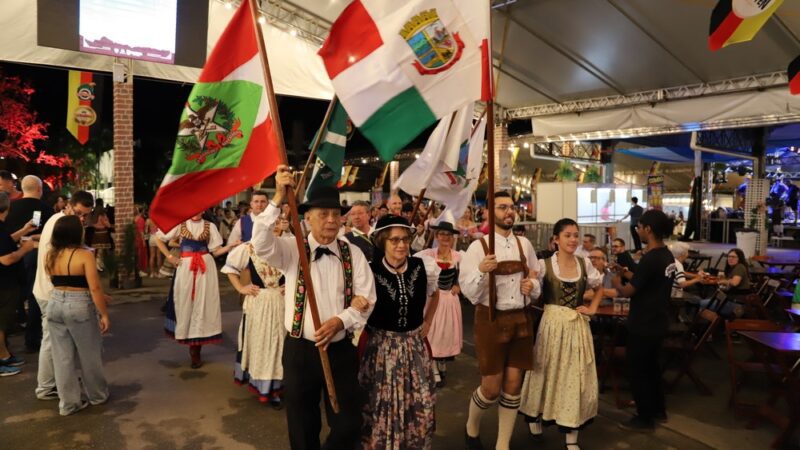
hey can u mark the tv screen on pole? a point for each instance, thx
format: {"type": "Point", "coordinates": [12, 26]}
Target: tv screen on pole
{"type": "Point", "coordinates": [137, 29]}
{"type": "Point", "coordinates": [163, 31]}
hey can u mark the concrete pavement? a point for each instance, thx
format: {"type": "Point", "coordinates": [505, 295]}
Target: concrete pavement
{"type": "Point", "coordinates": [158, 402]}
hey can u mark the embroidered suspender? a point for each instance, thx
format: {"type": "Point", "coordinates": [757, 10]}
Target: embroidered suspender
{"type": "Point", "coordinates": [300, 288]}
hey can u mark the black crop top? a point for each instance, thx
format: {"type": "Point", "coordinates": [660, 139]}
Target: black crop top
{"type": "Point", "coordinates": [73, 281]}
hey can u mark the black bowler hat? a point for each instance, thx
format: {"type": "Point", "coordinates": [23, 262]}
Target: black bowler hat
{"type": "Point", "coordinates": [445, 226]}
{"type": "Point", "coordinates": [390, 221]}
{"type": "Point", "coordinates": [326, 197]}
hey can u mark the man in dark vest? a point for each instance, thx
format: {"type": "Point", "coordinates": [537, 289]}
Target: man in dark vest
{"type": "Point", "coordinates": [359, 234]}
{"type": "Point", "coordinates": [345, 295]}
{"type": "Point", "coordinates": [243, 230]}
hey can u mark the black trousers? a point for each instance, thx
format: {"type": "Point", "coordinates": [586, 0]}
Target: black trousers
{"type": "Point", "coordinates": [644, 369]}
{"type": "Point", "coordinates": [304, 385]}
{"type": "Point", "coordinates": [33, 330]}
{"type": "Point", "coordinates": [637, 243]}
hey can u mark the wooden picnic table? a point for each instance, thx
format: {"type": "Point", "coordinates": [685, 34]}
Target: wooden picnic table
{"type": "Point", "coordinates": [769, 261]}
{"type": "Point", "coordinates": [784, 350]}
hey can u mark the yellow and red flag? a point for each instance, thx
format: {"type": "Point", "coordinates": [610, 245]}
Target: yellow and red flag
{"type": "Point", "coordinates": [81, 104]}
{"type": "Point", "coordinates": [794, 76]}
{"type": "Point", "coordinates": [734, 21]}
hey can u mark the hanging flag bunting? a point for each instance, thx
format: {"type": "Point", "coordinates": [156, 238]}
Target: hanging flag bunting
{"type": "Point", "coordinates": [794, 76]}
{"type": "Point", "coordinates": [330, 154]}
{"type": "Point", "coordinates": [226, 141]}
{"type": "Point", "coordinates": [734, 21]}
{"type": "Point", "coordinates": [397, 67]}
{"type": "Point", "coordinates": [345, 176]}
{"type": "Point", "coordinates": [83, 100]}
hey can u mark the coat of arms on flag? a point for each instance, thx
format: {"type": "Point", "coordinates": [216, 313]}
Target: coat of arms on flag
{"type": "Point", "coordinates": [206, 130]}
{"type": "Point", "coordinates": [435, 48]}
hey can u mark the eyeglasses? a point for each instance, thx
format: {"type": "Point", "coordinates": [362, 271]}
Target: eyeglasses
{"type": "Point", "coordinates": [504, 208]}
{"type": "Point", "coordinates": [596, 257]}
{"type": "Point", "coordinates": [398, 240]}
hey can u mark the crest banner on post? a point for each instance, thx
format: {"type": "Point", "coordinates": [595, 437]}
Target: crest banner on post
{"type": "Point", "coordinates": [83, 93]}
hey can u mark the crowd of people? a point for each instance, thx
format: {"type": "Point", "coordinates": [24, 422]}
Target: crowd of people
{"type": "Point", "coordinates": [389, 284]}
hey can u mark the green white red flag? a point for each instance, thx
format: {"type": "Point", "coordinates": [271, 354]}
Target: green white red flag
{"type": "Point", "coordinates": [397, 67]}
{"type": "Point", "coordinates": [226, 140]}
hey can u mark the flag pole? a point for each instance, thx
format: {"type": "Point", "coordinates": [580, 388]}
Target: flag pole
{"type": "Point", "coordinates": [290, 196]}
{"type": "Point", "coordinates": [417, 203]}
{"type": "Point", "coordinates": [316, 144]}
{"type": "Point", "coordinates": [491, 163]}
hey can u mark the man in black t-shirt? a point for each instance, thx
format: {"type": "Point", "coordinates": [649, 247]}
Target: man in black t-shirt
{"type": "Point", "coordinates": [649, 291]}
{"type": "Point", "coordinates": [22, 211]}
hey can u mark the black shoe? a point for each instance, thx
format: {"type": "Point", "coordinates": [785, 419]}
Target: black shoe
{"type": "Point", "coordinates": [660, 417]}
{"type": "Point", "coordinates": [473, 443]}
{"type": "Point", "coordinates": [638, 425]}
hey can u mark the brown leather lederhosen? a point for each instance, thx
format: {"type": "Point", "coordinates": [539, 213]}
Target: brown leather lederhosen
{"type": "Point", "coordinates": [508, 340]}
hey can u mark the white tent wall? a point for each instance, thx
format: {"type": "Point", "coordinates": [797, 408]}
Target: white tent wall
{"type": "Point", "coordinates": [685, 115]}
{"type": "Point", "coordinates": [296, 68]}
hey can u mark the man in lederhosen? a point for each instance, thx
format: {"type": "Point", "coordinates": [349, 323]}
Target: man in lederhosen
{"type": "Point", "coordinates": [504, 346]}
{"type": "Point", "coordinates": [345, 294]}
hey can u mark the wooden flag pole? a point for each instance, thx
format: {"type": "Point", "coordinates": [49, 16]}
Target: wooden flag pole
{"type": "Point", "coordinates": [290, 196]}
{"type": "Point", "coordinates": [317, 141]}
{"type": "Point", "coordinates": [491, 163]}
{"type": "Point", "coordinates": [417, 203]}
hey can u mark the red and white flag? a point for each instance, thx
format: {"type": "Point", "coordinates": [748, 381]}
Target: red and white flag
{"type": "Point", "coordinates": [226, 141]}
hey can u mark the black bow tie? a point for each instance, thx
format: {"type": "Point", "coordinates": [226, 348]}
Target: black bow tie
{"type": "Point", "coordinates": [322, 251]}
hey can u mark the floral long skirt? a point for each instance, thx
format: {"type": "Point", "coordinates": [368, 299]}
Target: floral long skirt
{"type": "Point", "coordinates": [397, 372]}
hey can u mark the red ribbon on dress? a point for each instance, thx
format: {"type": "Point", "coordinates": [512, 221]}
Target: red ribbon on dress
{"type": "Point", "coordinates": [197, 264]}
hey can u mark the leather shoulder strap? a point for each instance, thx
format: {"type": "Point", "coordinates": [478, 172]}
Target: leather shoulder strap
{"type": "Point", "coordinates": [522, 257]}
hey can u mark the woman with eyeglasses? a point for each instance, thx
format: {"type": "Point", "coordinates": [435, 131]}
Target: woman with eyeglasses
{"type": "Point", "coordinates": [396, 367]}
{"type": "Point", "coordinates": [562, 388]}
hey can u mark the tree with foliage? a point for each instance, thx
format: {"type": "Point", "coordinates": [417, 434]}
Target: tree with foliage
{"type": "Point", "coordinates": [19, 128]}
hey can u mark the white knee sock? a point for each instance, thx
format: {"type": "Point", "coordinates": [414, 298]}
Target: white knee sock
{"type": "Point", "coordinates": [572, 438]}
{"type": "Point", "coordinates": [436, 376]}
{"type": "Point", "coordinates": [478, 405]}
{"type": "Point", "coordinates": [506, 417]}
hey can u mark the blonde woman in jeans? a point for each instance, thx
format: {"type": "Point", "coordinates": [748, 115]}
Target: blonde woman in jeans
{"type": "Point", "coordinates": [72, 313]}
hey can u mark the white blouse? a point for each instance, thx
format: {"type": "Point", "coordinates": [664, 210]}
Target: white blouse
{"type": "Point", "coordinates": [594, 277]}
{"type": "Point", "coordinates": [196, 228]}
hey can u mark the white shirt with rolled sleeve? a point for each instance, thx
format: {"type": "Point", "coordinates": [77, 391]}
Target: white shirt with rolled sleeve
{"type": "Point", "coordinates": [326, 275]}
{"type": "Point", "coordinates": [475, 284]}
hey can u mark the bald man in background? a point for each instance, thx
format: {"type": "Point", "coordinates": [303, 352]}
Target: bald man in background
{"type": "Point", "coordinates": [22, 211]}
{"type": "Point", "coordinates": [395, 205]}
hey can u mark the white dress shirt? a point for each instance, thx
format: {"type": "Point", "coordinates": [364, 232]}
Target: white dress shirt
{"type": "Point", "coordinates": [326, 275]}
{"type": "Point", "coordinates": [475, 284]}
{"type": "Point", "coordinates": [42, 286]}
{"type": "Point", "coordinates": [236, 232]}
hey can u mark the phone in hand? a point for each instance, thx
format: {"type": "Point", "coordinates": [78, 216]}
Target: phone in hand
{"type": "Point", "coordinates": [37, 218]}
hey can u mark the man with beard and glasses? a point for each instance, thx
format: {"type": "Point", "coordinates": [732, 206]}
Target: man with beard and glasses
{"type": "Point", "coordinates": [504, 346]}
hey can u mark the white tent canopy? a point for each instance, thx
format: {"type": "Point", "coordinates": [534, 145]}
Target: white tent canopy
{"type": "Point", "coordinates": [296, 68]}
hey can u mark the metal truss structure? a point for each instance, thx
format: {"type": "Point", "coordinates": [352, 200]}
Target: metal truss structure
{"type": "Point", "coordinates": [748, 83]}
{"type": "Point", "coordinates": [292, 19]}
{"type": "Point", "coordinates": [572, 150]}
